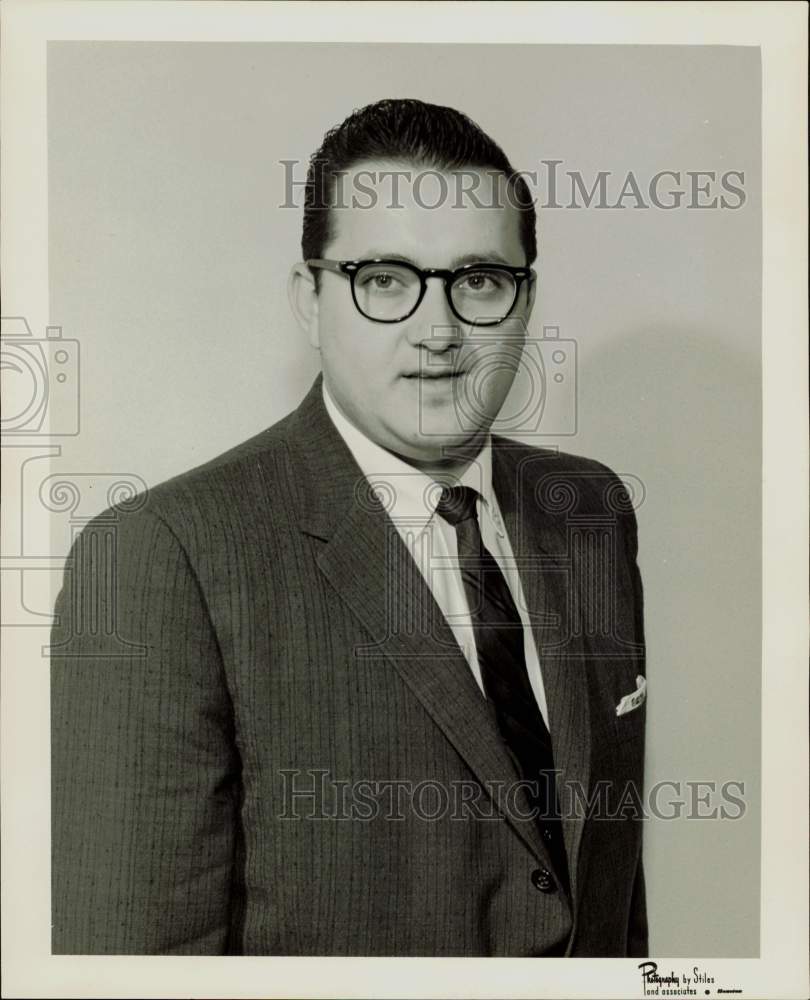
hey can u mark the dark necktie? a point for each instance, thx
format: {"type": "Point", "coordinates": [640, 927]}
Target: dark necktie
{"type": "Point", "coordinates": [498, 634]}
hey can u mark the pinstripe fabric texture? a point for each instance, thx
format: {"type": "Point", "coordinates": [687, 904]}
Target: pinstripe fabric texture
{"type": "Point", "coordinates": [266, 741]}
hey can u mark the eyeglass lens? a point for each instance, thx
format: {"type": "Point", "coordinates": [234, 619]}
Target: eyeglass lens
{"type": "Point", "coordinates": [390, 292]}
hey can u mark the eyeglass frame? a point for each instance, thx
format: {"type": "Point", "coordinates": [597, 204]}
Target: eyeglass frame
{"type": "Point", "coordinates": [350, 269]}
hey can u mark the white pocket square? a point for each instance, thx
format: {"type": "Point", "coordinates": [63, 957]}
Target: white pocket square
{"type": "Point", "coordinates": [632, 701]}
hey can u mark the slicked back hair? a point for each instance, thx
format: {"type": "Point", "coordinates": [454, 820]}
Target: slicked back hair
{"type": "Point", "coordinates": [410, 130]}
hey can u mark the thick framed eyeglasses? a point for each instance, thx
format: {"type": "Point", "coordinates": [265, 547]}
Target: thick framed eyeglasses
{"type": "Point", "coordinates": [389, 291]}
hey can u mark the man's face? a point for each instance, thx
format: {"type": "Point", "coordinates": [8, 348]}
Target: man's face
{"type": "Point", "coordinates": [430, 382]}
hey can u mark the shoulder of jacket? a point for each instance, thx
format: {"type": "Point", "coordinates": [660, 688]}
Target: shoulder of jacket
{"type": "Point", "coordinates": [207, 488]}
{"type": "Point", "coordinates": [562, 481]}
{"type": "Point", "coordinates": [551, 461]}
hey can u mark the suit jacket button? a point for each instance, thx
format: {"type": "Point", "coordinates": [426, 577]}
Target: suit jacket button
{"type": "Point", "coordinates": [542, 880]}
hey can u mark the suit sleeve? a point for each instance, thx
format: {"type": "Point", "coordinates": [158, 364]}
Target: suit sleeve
{"type": "Point", "coordinates": [637, 931]}
{"type": "Point", "coordinates": [145, 773]}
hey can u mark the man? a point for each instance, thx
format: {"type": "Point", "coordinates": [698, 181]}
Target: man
{"type": "Point", "coordinates": [354, 683]}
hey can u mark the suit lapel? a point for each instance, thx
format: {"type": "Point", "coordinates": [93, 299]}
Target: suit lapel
{"type": "Point", "coordinates": [366, 562]}
{"type": "Point", "coordinates": [369, 566]}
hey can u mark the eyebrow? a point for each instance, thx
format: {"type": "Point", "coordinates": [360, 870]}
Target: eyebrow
{"type": "Point", "coordinates": [484, 257]}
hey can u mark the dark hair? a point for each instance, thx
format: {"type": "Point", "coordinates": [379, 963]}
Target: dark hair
{"type": "Point", "coordinates": [405, 129]}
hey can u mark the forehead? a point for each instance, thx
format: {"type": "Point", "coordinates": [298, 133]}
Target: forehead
{"type": "Point", "coordinates": [429, 215]}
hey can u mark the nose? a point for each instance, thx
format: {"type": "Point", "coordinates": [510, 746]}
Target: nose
{"type": "Point", "coordinates": [433, 325]}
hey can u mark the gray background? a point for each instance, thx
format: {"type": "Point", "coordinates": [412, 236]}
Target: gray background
{"type": "Point", "coordinates": [168, 262]}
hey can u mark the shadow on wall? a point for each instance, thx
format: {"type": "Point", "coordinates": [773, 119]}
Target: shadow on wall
{"type": "Point", "coordinates": [682, 411]}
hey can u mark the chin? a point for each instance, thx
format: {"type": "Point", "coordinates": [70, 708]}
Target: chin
{"type": "Point", "coordinates": [434, 444]}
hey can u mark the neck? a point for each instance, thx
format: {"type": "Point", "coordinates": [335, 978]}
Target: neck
{"type": "Point", "coordinates": [452, 464]}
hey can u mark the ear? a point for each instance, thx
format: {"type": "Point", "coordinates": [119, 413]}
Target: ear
{"type": "Point", "coordinates": [303, 298]}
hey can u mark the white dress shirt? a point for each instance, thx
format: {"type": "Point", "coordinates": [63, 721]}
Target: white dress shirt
{"type": "Point", "coordinates": [410, 497]}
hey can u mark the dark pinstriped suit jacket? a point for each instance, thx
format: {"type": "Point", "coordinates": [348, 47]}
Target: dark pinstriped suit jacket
{"type": "Point", "coordinates": [234, 645]}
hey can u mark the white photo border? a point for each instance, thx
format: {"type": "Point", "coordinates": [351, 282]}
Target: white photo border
{"type": "Point", "coordinates": [780, 31]}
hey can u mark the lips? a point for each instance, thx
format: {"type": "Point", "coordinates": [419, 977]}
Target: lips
{"type": "Point", "coordinates": [433, 375]}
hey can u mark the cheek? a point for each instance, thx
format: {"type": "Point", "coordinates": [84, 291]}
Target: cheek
{"type": "Point", "coordinates": [358, 358]}
{"type": "Point", "coordinates": [493, 372]}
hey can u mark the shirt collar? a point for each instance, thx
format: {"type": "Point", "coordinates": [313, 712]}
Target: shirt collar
{"type": "Point", "coordinates": [409, 496]}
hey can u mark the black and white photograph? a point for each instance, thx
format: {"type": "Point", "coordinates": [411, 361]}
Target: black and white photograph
{"type": "Point", "coordinates": [404, 447]}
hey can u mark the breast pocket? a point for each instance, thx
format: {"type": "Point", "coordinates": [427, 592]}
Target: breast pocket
{"type": "Point", "coordinates": [629, 726]}
{"type": "Point", "coordinates": [629, 703]}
